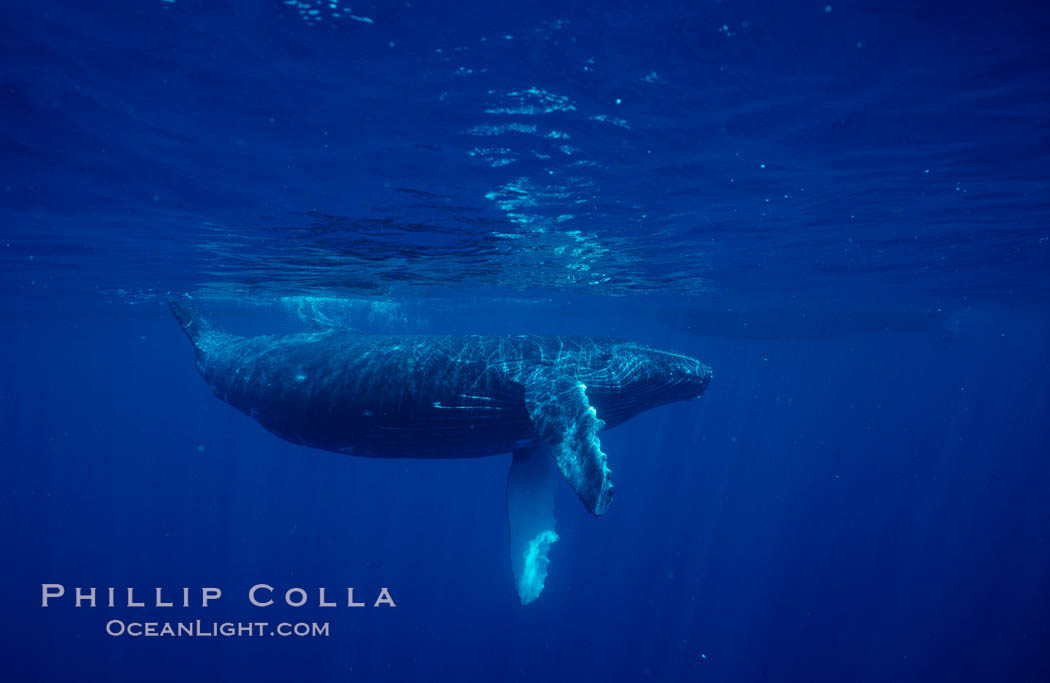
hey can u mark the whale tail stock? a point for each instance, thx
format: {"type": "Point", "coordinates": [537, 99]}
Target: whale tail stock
{"type": "Point", "coordinates": [195, 326]}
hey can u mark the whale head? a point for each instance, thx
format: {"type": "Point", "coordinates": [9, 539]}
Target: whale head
{"type": "Point", "coordinates": [624, 378]}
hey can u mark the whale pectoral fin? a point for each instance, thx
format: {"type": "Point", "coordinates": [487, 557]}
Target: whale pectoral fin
{"type": "Point", "coordinates": [531, 484]}
{"type": "Point", "coordinates": [566, 422]}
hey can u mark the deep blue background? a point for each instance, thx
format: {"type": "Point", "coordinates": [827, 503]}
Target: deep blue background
{"type": "Point", "coordinates": [843, 212]}
{"type": "Point", "coordinates": [866, 508]}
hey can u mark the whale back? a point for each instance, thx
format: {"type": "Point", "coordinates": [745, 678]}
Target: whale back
{"type": "Point", "coordinates": [369, 395]}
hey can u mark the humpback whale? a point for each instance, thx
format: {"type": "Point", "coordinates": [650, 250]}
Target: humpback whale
{"type": "Point", "coordinates": [542, 398]}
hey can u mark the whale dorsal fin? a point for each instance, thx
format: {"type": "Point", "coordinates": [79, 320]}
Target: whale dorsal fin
{"type": "Point", "coordinates": [564, 419]}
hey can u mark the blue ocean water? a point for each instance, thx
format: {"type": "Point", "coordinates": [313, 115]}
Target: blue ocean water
{"type": "Point", "coordinates": [844, 209]}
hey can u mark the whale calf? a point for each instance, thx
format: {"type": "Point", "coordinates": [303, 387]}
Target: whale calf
{"type": "Point", "coordinates": [542, 398]}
